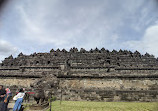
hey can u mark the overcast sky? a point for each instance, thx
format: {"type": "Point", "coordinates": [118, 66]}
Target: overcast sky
{"type": "Point", "coordinates": [30, 26]}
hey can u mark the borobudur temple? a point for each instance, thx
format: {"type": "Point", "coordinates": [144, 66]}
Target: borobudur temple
{"type": "Point", "coordinates": [94, 75]}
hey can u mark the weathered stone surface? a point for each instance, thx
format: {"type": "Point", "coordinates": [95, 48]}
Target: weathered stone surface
{"type": "Point", "coordinates": [21, 82]}
{"type": "Point", "coordinates": [95, 75]}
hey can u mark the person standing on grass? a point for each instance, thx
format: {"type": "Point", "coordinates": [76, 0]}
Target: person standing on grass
{"type": "Point", "coordinates": [19, 100]}
{"type": "Point", "coordinates": [2, 95]}
{"type": "Point", "coordinates": [6, 99]}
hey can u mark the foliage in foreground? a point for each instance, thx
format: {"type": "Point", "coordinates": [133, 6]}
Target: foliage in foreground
{"type": "Point", "coordinates": [103, 106]}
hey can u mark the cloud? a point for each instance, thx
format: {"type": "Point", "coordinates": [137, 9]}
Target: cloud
{"type": "Point", "coordinates": [73, 24]}
{"type": "Point", "coordinates": [149, 42]}
{"type": "Point", "coordinates": [40, 25]}
{"type": "Point", "coordinates": [7, 49]}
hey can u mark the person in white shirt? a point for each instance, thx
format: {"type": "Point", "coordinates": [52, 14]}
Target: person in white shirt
{"type": "Point", "coordinates": [19, 100]}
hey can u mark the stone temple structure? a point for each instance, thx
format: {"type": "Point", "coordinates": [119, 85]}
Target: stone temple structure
{"type": "Point", "coordinates": [95, 75]}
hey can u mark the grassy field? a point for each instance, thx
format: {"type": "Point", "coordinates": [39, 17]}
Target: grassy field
{"type": "Point", "coordinates": [103, 106]}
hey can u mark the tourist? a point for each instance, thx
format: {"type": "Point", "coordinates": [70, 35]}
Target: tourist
{"type": "Point", "coordinates": [2, 95]}
{"type": "Point", "coordinates": [6, 99]}
{"type": "Point", "coordinates": [19, 100]}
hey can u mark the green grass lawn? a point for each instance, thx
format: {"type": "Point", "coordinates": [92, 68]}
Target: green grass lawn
{"type": "Point", "coordinates": [103, 106]}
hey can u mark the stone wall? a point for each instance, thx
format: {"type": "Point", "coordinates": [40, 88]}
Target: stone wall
{"type": "Point", "coordinates": [17, 82]}
{"type": "Point", "coordinates": [111, 84]}
{"type": "Point", "coordinates": [110, 89]}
